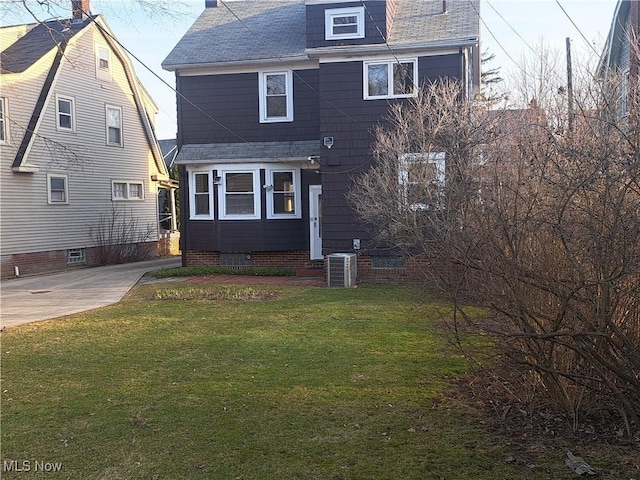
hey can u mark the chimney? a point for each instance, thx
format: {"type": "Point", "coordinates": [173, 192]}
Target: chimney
{"type": "Point", "coordinates": [80, 10]}
{"type": "Point", "coordinates": [210, 3]}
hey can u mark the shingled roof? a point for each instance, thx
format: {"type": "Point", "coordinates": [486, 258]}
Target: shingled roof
{"type": "Point", "coordinates": [243, 152]}
{"type": "Point", "coordinates": [218, 36]}
{"type": "Point", "coordinates": [255, 30]}
{"type": "Point", "coordinates": [38, 40]}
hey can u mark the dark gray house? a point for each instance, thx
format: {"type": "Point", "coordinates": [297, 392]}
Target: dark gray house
{"type": "Point", "coordinates": [276, 106]}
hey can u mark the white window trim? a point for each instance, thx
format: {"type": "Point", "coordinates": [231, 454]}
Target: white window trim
{"type": "Point", "coordinates": [103, 73]}
{"type": "Point", "coordinates": [297, 207]}
{"type": "Point", "coordinates": [127, 184]}
{"type": "Point", "coordinates": [390, 63]}
{"type": "Point", "coordinates": [262, 87]}
{"type": "Point", "coordinates": [72, 101]}
{"type": "Point", "coordinates": [106, 121]}
{"type": "Point", "coordinates": [436, 158]}
{"type": "Point", "coordinates": [332, 13]}
{"type": "Point", "coordinates": [66, 188]}
{"type": "Point", "coordinates": [192, 195]}
{"type": "Point", "coordinates": [4, 138]}
{"type": "Point", "coordinates": [222, 190]}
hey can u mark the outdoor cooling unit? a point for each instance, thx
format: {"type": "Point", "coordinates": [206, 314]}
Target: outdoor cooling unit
{"type": "Point", "coordinates": [341, 270]}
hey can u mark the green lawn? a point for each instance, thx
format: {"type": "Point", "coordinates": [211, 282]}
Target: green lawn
{"type": "Point", "coordinates": [261, 383]}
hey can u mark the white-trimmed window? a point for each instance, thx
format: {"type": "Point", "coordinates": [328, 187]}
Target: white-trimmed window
{"type": "Point", "coordinates": [127, 190]}
{"type": "Point", "coordinates": [57, 189]}
{"type": "Point", "coordinates": [239, 195]}
{"type": "Point", "coordinates": [421, 177]}
{"type": "Point", "coordinates": [283, 193]}
{"type": "Point", "coordinates": [201, 195]}
{"type": "Point", "coordinates": [4, 128]}
{"type": "Point", "coordinates": [114, 125]}
{"type": "Point", "coordinates": [276, 96]}
{"type": "Point", "coordinates": [103, 62]}
{"type": "Point", "coordinates": [344, 23]}
{"type": "Point", "coordinates": [390, 79]}
{"type": "Point", "coordinates": [65, 113]}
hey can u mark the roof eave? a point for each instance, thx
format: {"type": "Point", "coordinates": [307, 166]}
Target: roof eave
{"type": "Point", "coordinates": [231, 64]}
{"type": "Point", "coordinates": [386, 48]}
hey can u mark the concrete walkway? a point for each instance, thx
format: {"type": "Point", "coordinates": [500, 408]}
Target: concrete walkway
{"type": "Point", "coordinates": [40, 297]}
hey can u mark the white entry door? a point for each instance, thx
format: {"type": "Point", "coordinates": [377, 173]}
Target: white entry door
{"type": "Point", "coordinates": [315, 221]}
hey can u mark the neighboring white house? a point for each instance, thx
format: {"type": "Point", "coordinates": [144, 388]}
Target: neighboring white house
{"type": "Point", "coordinates": [80, 163]}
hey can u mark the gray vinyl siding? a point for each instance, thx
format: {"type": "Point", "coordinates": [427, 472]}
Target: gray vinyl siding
{"type": "Point", "coordinates": [29, 223]}
{"type": "Point", "coordinates": [218, 105]}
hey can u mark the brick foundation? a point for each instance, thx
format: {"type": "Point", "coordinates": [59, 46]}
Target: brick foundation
{"type": "Point", "coordinates": [412, 272]}
{"type": "Point", "coordinates": [256, 259]}
{"type": "Point", "coordinates": [54, 261]}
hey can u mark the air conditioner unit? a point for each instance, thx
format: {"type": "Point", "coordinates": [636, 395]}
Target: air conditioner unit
{"type": "Point", "coordinates": [341, 270]}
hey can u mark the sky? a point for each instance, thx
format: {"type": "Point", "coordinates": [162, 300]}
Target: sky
{"type": "Point", "coordinates": [510, 29]}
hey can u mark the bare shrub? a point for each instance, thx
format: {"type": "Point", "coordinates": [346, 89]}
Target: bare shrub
{"type": "Point", "coordinates": [118, 237]}
{"type": "Point", "coordinates": [537, 223]}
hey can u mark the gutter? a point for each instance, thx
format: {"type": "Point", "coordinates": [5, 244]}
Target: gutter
{"type": "Point", "coordinates": [384, 48]}
{"type": "Point", "coordinates": [234, 63]}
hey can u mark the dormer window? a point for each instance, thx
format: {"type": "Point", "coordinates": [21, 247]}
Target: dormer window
{"type": "Point", "coordinates": [344, 23]}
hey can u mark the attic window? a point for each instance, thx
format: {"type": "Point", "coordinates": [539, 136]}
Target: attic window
{"type": "Point", "coordinates": [103, 59]}
{"type": "Point", "coordinates": [344, 23]}
{"type": "Point", "coordinates": [103, 63]}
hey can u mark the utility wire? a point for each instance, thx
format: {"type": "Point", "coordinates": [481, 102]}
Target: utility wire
{"type": "Point", "coordinates": [510, 26]}
{"type": "Point", "coordinates": [579, 31]}
{"type": "Point", "coordinates": [496, 40]}
{"type": "Point", "coordinates": [200, 110]}
{"type": "Point", "coordinates": [280, 59]}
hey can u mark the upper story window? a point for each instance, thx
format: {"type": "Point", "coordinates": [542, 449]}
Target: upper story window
{"type": "Point", "coordinates": [276, 96]}
{"type": "Point", "coordinates": [65, 113]}
{"type": "Point", "coordinates": [283, 194]}
{"type": "Point", "coordinates": [344, 23]}
{"type": "Point", "coordinates": [103, 62]}
{"type": "Point", "coordinates": [57, 189]}
{"type": "Point", "coordinates": [239, 195]}
{"type": "Point", "coordinates": [114, 125]}
{"type": "Point", "coordinates": [4, 130]}
{"type": "Point", "coordinates": [127, 190]}
{"type": "Point", "coordinates": [421, 177]}
{"type": "Point", "coordinates": [390, 79]}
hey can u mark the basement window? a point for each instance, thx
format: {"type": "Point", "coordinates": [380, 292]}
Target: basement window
{"type": "Point", "coordinates": [76, 255]}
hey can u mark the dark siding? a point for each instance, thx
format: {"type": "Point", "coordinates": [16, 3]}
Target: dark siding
{"type": "Point", "coordinates": [237, 236]}
{"type": "Point", "coordinates": [231, 101]}
{"type": "Point", "coordinates": [375, 18]}
{"type": "Point", "coordinates": [349, 119]}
